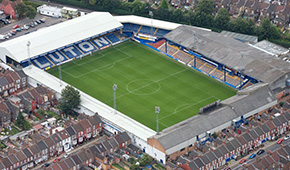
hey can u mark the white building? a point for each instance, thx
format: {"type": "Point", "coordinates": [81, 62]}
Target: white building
{"type": "Point", "coordinates": [49, 11]}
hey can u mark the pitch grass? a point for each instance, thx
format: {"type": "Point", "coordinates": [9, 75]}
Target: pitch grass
{"type": "Point", "coordinates": [145, 79]}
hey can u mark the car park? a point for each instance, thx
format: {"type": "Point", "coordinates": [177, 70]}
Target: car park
{"type": "Point", "coordinates": [15, 26]}
{"type": "Point", "coordinates": [260, 151]}
{"type": "Point", "coordinates": [253, 156]}
{"type": "Point", "coordinates": [242, 161]}
{"type": "Point", "coordinates": [280, 141]}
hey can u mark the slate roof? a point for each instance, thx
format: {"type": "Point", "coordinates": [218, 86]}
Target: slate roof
{"type": "Point", "coordinates": [41, 145]}
{"type": "Point", "coordinates": [34, 149]}
{"type": "Point", "coordinates": [76, 159]}
{"type": "Point", "coordinates": [235, 142]}
{"type": "Point", "coordinates": [101, 147]}
{"type": "Point", "coordinates": [253, 134]}
{"type": "Point", "coordinates": [259, 131]}
{"type": "Point", "coordinates": [63, 165]}
{"type": "Point", "coordinates": [77, 127]}
{"type": "Point", "coordinates": [125, 136]}
{"type": "Point", "coordinates": [6, 162]}
{"type": "Point", "coordinates": [13, 159]}
{"type": "Point", "coordinates": [223, 149]}
{"type": "Point", "coordinates": [198, 162]}
{"type": "Point", "coordinates": [20, 156]}
{"type": "Point", "coordinates": [70, 130]}
{"type": "Point", "coordinates": [192, 165]}
{"type": "Point", "coordinates": [211, 156]}
{"type": "Point", "coordinates": [70, 162]}
{"type": "Point", "coordinates": [218, 153]}
{"type": "Point", "coordinates": [229, 146]}
{"type": "Point", "coordinates": [27, 152]}
{"type": "Point", "coordinates": [205, 159]}
{"type": "Point", "coordinates": [55, 137]}
{"type": "Point", "coordinates": [265, 128]}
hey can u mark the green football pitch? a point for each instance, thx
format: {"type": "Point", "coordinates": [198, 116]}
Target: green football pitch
{"type": "Point", "coordinates": [145, 79]}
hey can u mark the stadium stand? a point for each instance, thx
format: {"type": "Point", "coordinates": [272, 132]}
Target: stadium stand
{"type": "Point", "coordinates": [113, 38]}
{"type": "Point", "coordinates": [157, 44]}
{"type": "Point", "coordinates": [74, 51]}
{"type": "Point", "coordinates": [204, 65]}
{"type": "Point", "coordinates": [147, 30]}
{"type": "Point", "coordinates": [144, 29]}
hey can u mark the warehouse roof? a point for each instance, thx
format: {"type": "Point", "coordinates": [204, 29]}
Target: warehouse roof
{"type": "Point", "coordinates": [59, 35]}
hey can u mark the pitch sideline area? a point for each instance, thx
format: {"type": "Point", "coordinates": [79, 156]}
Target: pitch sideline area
{"type": "Point", "coordinates": [145, 79]}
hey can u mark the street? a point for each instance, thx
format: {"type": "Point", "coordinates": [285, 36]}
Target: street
{"type": "Point", "coordinates": [269, 146]}
{"type": "Point", "coordinates": [84, 145]}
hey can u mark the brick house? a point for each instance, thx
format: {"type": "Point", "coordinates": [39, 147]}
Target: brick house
{"type": "Point", "coordinates": [86, 125]}
{"type": "Point", "coordinates": [9, 8]}
{"type": "Point", "coordinates": [80, 134]}
{"type": "Point", "coordinates": [5, 114]}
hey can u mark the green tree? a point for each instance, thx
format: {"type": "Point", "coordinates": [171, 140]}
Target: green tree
{"type": "Point", "coordinates": [30, 12]}
{"type": "Point", "coordinates": [145, 160]}
{"type": "Point", "coordinates": [202, 19]}
{"type": "Point", "coordinates": [136, 7]}
{"type": "Point", "coordinates": [21, 9]}
{"type": "Point", "coordinates": [206, 6]}
{"type": "Point", "coordinates": [92, 2]}
{"type": "Point", "coordinates": [164, 4]}
{"type": "Point", "coordinates": [222, 19]}
{"type": "Point", "coordinates": [239, 25]}
{"type": "Point", "coordinates": [22, 123]}
{"type": "Point", "coordinates": [267, 30]}
{"type": "Point", "coordinates": [178, 15]}
{"type": "Point", "coordinates": [70, 100]}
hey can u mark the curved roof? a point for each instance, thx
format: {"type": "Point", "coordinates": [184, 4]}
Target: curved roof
{"type": "Point", "coordinates": [59, 35]}
{"type": "Point", "coordinates": [147, 22]}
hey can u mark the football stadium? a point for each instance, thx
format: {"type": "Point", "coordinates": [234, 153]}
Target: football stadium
{"type": "Point", "coordinates": [202, 81]}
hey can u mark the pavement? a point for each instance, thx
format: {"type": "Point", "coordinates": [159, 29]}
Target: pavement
{"type": "Point", "coordinates": [268, 146]}
{"type": "Point", "coordinates": [75, 150]}
{"type": "Point", "coordinates": [48, 22]}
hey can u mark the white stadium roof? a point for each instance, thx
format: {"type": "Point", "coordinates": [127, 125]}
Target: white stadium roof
{"type": "Point", "coordinates": [59, 35]}
{"type": "Point", "coordinates": [147, 22]}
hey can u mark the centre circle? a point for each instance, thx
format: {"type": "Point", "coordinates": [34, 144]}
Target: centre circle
{"type": "Point", "coordinates": [143, 87]}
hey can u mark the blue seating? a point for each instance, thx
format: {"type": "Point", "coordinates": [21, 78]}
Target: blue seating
{"type": "Point", "coordinates": [127, 27]}
{"type": "Point", "coordinates": [56, 57]}
{"type": "Point", "coordinates": [71, 51]}
{"type": "Point", "coordinates": [86, 46]}
{"type": "Point", "coordinates": [113, 38]}
{"type": "Point", "coordinates": [135, 27]}
{"type": "Point", "coordinates": [101, 42]}
{"type": "Point", "coordinates": [161, 32]}
{"type": "Point", "coordinates": [147, 30]}
{"type": "Point", "coordinates": [41, 62]}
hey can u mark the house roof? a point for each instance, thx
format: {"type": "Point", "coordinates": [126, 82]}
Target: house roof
{"type": "Point", "coordinates": [70, 162]}
{"type": "Point", "coordinates": [192, 165]}
{"type": "Point", "coordinates": [85, 124]}
{"type": "Point", "coordinates": [218, 153]}
{"type": "Point", "coordinates": [63, 134]}
{"type": "Point", "coordinates": [247, 137]}
{"type": "Point", "coordinates": [113, 142]}
{"type": "Point", "coordinates": [205, 159]}
{"type": "Point", "coordinates": [76, 159]}
{"type": "Point", "coordinates": [13, 159]}
{"type": "Point", "coordinates": [63, 165]}
{"type": "Point", "coordinates": [224, 150]}
{"type": "Point", "coordinates": [94, 149]}
{"type": "Point", "coordinates": [259, 131]}
{"type": "Point", "coordinates": [198, 162]}
{"type": "Point", "coordinates": [41, 145]}
{"type": "Point", "coordinates": [211, 156]}
{"type": "Point", "coordinates": [27, 152]}
{"type": "Point", "coordinates": [6, 162]}
{"type": "Point", "coordinates": [49, 142]}
{"type": "Point", "coordinates": [56, 138]}
{"type": "Point", "coordinates": [70, 130]}
{"type": "Point", "coordinates": [20, 156]}
{"type": "Point", "coordinates": [118, 139]}
{"type": "Point", "coordinates": [77, 127]}
{"type": "Point", "coordinates": [282, 118]}
{"type": "Point", "coordinates": [34, 149]}
{"type": "Point", "coordinates": [270, 125]}
{"type": "Point", "coordinates": [107, 145]}
{"type": "Point", "coordinates": [230, 146]}
{"type": "Point", "coordinates": [83, 157]}
{"type": "Point", "coordinates": [253, 134]}
{"type": "Point", "coordinates": [101, 147]}
{"type": "Point", "coordinates": [277, 122]}
{"type": "Point", "coordinates": [235, 142]}
{"type": "Point", "coordinates": [125, 136]}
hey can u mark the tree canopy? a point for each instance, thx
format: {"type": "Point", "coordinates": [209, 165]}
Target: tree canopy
{"type": "Point", "coordinates": [222, 19]}
{"type": "Point", "coordinates": [164, 4]}
{"type": "Point", "coordinates": [268, 30]}
{"type": "Point", "coordinates": [26, 10]}
{"type": "Point", "coordinates": [70, 100]}
{"type": "Point", "coordinates": [206, 6]}
{"type": "Point", "coordinates": [22, 123]}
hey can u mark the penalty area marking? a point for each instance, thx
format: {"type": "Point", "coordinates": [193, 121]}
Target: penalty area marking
{"type": "Point", "coordinates": [189, 105]}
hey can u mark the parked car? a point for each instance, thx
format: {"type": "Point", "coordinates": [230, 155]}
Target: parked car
{"type": "Point", "coordinates": [15, 26]}
{"type": "Point", "coordinates": [242, 161]}
{"type": "Point", "coordinates": [31, 25]}
{"type": "Point", "coordinates": [35, 23]}
{"type": "Point", "coordinates": [286, 137]}
{"type": "Point", "coordinates": [56, 160]}
{"type": "Point", "coordinates": [46, 165]}
{"type": "Point", "coordinates": [18, 29]}
{"type": "Point", "coordinates": [38, 22]}
{"type": "Point", "coordinates": [280, 141]}
{"type": "Point", "coordinates": [12, 32]}
{"type": "Point", "coordinates": [66, 155]}
{"type": "Point", "coordinates": [253, 156]}
{"type": "Point", "coordinates": [9, 34]}
{"type": "Point", "coordinates": [42, 20]}
{"type": "Point", "coordinates": [260, 151]}
{"type": "Point", "coordinates": [25, 27]}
